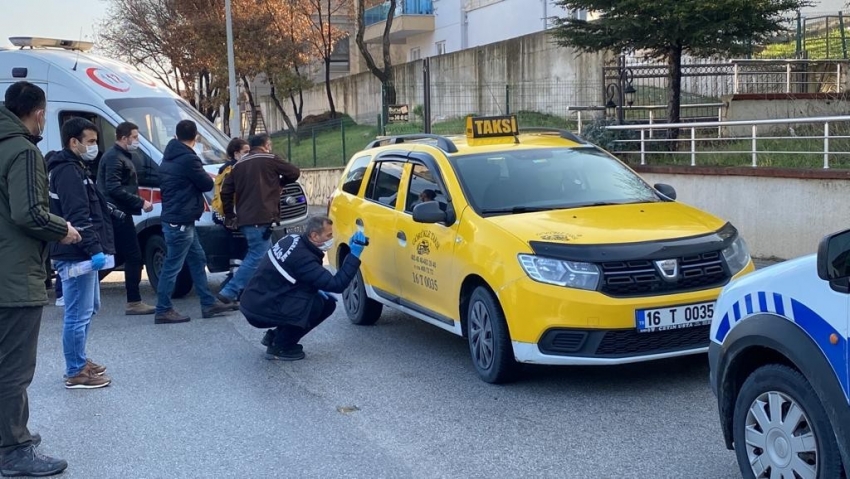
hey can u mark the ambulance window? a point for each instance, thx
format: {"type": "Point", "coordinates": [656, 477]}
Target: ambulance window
{"type": "Point", "coordinates": [384, 183]}
{"type": "Point", "coordinates": [354, 177]}
{"type": "Point", "coordinates": [424, 187]}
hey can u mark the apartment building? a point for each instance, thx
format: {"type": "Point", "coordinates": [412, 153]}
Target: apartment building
{"type": "Point", "coordinates": [424, 28]}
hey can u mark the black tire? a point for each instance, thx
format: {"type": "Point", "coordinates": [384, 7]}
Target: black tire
{"type": "Point", "coordinates": [361, 310]}
{"type": "Point", "coordinates": [154, 256]}
{"type": "Point", "coordinates": [489, 339]}
{"type": "Point", "coordinates": [781, 380]}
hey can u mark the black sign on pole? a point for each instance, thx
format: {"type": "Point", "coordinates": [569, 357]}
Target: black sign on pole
{"type": "Point", "coordinates": [426, 107]}
{"type": "Point", "coordinates": [398, 114]}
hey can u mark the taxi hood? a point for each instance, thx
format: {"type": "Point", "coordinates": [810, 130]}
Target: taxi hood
{"type": "Point", "coordinates": [610, 224]}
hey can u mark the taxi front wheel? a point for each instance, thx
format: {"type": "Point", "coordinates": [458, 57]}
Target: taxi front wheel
{"type": "Point", "coordinates": [489, 339]}
{"type": "Point", "coordinates": [361, 309]}
{"type": "Point", "coordinates": [780, 428]}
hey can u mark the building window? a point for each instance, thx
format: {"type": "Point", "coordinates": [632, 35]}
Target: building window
{"type": "Point", "coordinates": [415, 54]}
{"type": "Point", "coordinates": [441, 48]}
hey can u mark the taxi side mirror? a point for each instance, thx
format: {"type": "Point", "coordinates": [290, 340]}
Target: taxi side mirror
{"type": "Point", "coordinates": [666, 190]}
{"type": "Point", "coordinates": [428, 212]}
{"type": "Point", "coordinates": [834, 257]}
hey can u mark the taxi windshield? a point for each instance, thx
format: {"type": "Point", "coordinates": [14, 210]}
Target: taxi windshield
{"type": "Point", "coordinates": [526, 180]}
{"type": "Point", "coordinates": [158, 117]}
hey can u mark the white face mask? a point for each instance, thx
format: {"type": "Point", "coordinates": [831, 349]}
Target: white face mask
{"type": "Point", "coordinates": [326, 245]}
{"type": "Point", "coordinates": [90, 154]}
{"type": "Point", "coordinates": [133, 146]}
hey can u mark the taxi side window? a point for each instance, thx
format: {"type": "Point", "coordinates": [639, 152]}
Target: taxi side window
{"type": "Point", "coordinates": [384, 183]}
{"type": "Point", "coordinates": [354, 177]}
{"type": "Point", "coordinates": [423, 187]}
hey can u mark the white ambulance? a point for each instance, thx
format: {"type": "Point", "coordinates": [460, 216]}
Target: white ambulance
{"type": "Point", "coordinates": [779, 366]}
{"type": "Point", "coordinates": [108, 92]}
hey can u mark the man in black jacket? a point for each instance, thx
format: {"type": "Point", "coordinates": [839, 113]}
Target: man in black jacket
{"type": "Point", "coordinates": [183, 182]}
{"type": "Point", "coordinates": [74, 197]}
{"type": "Point", "coordinates": [118, 181]}
{"type": "Point", "coordinates": [289, 291]}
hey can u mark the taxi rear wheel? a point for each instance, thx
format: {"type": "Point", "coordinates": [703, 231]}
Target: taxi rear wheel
{"type": "Point", "coordinates": [361, 309]}
{"type": "Point", "coordinates": [489, 339]}
{"type": "Point", "coordinates": [780, 428]}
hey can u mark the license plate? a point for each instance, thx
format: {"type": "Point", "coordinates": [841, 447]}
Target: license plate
{"type": "Point", "coordinates": [674, 317]}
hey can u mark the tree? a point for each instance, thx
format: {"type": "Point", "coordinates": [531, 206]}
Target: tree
{"type": "Point", "coordinates": [384, 74]}
{"type": "Point", "coordinates": [668, 29]}
{"type": "Point", "coordinates": [320, 15]}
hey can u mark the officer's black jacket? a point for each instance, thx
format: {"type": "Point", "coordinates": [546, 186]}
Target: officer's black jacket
{"type": "Point", "coordinates": [288, 280]}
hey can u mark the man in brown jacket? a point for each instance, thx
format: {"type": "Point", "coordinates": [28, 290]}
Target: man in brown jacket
{"type": "Point", "coordinates": [257, 180]}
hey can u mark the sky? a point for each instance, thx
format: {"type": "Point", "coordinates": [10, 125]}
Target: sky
{"type": "Point", "coordinates": [50, 18]}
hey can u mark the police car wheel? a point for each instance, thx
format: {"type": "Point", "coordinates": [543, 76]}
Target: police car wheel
{"type": "Point", "coordinates": [489, 339]}
{"type": "Point", "coordinates": [361, 309]}
{"type": "Point", "coordinates": [780, 428]}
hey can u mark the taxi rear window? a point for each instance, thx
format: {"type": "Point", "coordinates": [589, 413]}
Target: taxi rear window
{"type": "Point", "coordinates": [539, 179]}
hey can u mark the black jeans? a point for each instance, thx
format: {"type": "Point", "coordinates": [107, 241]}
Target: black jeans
{"type": "Point", "coordinates": [19, 328]}
{"type": "Point", "coordinates": [127, 251]}
{"type": "Point", "coordinates": [287, 336]}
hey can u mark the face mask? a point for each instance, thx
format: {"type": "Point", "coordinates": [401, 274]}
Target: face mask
{"type": "Point", "coordinates": [133, 146]}
{"type": "Point", "coordinates": [326, 245]}
{"type": "Point", "coordinates": [38, 137]}
{"type": "Point", "coordinates": [90, 154]}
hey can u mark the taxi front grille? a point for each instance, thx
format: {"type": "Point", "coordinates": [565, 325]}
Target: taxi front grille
{"type": "Point", "coordinates": [293, 202]}
{"type": "Point", "coordinates": [628, 341]}
{"type": "Point", "coordinates": [641, 277]}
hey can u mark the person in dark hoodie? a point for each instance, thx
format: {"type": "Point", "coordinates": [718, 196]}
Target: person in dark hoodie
{"type": "Point", "coordinates": [74, 197]}
{"type": "Point", "coordinates": [27, 226]}
{"type": "Point", "coordinates": [183, 182]}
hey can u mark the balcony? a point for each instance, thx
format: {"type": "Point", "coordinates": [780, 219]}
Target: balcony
{"type": "Point", "coordinates": [412, 17]}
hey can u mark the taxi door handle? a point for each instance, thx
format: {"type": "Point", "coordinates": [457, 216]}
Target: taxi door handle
{"type": "Point", "coordinates": [400, 235]}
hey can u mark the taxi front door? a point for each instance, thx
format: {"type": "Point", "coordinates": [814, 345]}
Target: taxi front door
{"type": "Point", "coordinates": [424, 253]}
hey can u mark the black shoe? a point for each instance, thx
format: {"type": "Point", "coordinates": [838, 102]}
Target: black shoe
{"type": "Point", "coordinates": [227, 301]}
{"type": "Point", "coordinates": [218, 308]}
{"type": "Point", "coordinates": [268, 339]}
{"type": "Point", "coordinates": [36, 439]}
{"type": "Point", "coordinates": [292, 353]}
{"type": "Point", "coordinates": [27, 461]}
{"type": "Point", "coordinates": [170, 317]}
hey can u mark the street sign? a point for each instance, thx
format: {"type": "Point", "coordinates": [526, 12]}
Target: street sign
{"type": "Point", "coordinates": [398, 114]}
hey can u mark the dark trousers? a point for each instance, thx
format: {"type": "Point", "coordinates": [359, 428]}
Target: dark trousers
{"type": "Point", "coordinates": [19, 329]}
{"type": "Point", "coordinates": [287, 335]}
{"type": "Point", "coordinates": [127, 251]}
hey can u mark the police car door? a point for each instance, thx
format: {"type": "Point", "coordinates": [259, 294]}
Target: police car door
{"type": "Point", "coordinates": [424, 254]}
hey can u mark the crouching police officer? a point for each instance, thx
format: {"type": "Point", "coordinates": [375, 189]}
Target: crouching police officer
{"type": "Point", "coordinates": [290, 289]}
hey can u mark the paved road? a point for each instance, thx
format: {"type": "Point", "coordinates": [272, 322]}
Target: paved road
{"type": "Point", "coordinates": [399, 399]}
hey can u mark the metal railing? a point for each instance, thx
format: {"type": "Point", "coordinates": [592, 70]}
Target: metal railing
{"type": "Point", "coordinates": [651, 109]}
{"type": "Point", "coordinates": [813, 140]}
{"type": "Point", "coordinates": [767, 76]}
{"type": "Point", "coordinates": [379, 13]}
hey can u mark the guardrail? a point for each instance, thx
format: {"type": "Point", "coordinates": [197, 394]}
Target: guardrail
{"type": "Point", "coordinates": [650, 109]}
{"type": "Point", "coordinates": [766, 76]}
{"type": "Point", "coordinates": [379, 13]}
{"type": "Point", "coordinates": [808, 144]}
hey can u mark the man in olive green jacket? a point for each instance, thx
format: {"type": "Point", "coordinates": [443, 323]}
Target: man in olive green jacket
{"type": "Point", "coordinates": [27, 226]}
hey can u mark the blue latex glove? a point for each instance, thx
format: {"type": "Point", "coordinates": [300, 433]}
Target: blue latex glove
{"type": "Point", "coordinates": [327, 296]}
{"type": "Point", "coordinates": [357, 249]}
{"type": "Point", "coordinates": [98, 261]}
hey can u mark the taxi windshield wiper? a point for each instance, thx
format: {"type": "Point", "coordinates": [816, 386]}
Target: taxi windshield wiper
{"type": "Point", "coordinates": [518, 209]}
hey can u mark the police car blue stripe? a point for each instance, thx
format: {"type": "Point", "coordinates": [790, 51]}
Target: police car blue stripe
{"type": "Point", "coordinates": [723, 327]}
{"type": "Point", "coordinates": [736, 310]}
{"type": "Point", "coordinates": [780, 306]}
{"type": "Point", "coordinates": [820, 330]}
{"type": "Point", "coordinates": [762, 301]}
{"type": "Point", "coordinates": [749, 301]}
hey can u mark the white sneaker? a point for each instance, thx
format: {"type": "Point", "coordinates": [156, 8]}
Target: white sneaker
{"type": "Point", "coordinates": [60, 302]}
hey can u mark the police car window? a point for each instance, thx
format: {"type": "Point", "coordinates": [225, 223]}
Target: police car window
{"type": "Point", "coordinates": [548, 178]}
{"type": "Point", "coordinates": [354, 176]}
{"type": "Point", "coordinates": [384, 183]}
{"type": "Point", "coordinates": [423, 187]}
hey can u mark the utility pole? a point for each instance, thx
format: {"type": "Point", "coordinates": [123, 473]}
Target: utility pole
{"type": "Point", "coordinates": [235, 124]}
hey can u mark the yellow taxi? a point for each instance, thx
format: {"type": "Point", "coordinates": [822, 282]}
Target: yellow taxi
{"type": "Point", "coordinates": [534, 245]}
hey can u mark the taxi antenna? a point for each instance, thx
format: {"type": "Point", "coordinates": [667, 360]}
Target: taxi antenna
{"type": "Point", "coordinates": [77, 60]}
{"type": "Point", "coordinates": [495, 100]}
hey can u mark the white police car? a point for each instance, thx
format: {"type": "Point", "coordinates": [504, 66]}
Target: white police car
{"type": "Point", "coordinates": [779, 366]}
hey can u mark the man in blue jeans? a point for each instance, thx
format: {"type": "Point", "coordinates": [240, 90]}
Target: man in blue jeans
{"type": "Point", "coordinates": [256, 181]}
{"type": "Point", "coordinates": [183, 182]}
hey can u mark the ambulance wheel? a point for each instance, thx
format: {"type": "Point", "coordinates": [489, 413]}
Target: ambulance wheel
{"type": "Point", "coordinates": [489, 339]}
{"type": "Point", "coordinates": [361, 309]}
{"type": "Point", "coordinates": [780, 428]}
{"type": "Point", "coordinates": [154, 258]}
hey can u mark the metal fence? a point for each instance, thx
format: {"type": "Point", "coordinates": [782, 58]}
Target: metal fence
{"type": "Point", "coordinates": [789, 76]}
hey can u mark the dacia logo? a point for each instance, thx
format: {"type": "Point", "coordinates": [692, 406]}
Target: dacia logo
{"type": "Point", "coordinates": [669, 268]}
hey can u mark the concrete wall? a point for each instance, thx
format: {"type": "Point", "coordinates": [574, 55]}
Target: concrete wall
{"type": "Point", "coordinates": [779, 217]}
{"type": "Point", "coordinates": [469, 81]}
{"type": "Point", "coordinates": [779, 107]}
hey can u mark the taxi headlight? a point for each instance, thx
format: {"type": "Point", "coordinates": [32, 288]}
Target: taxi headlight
{"type": "Point", "coordinates": [561, 273]}
{"type": "Point", "coordinates": [737, 256]}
